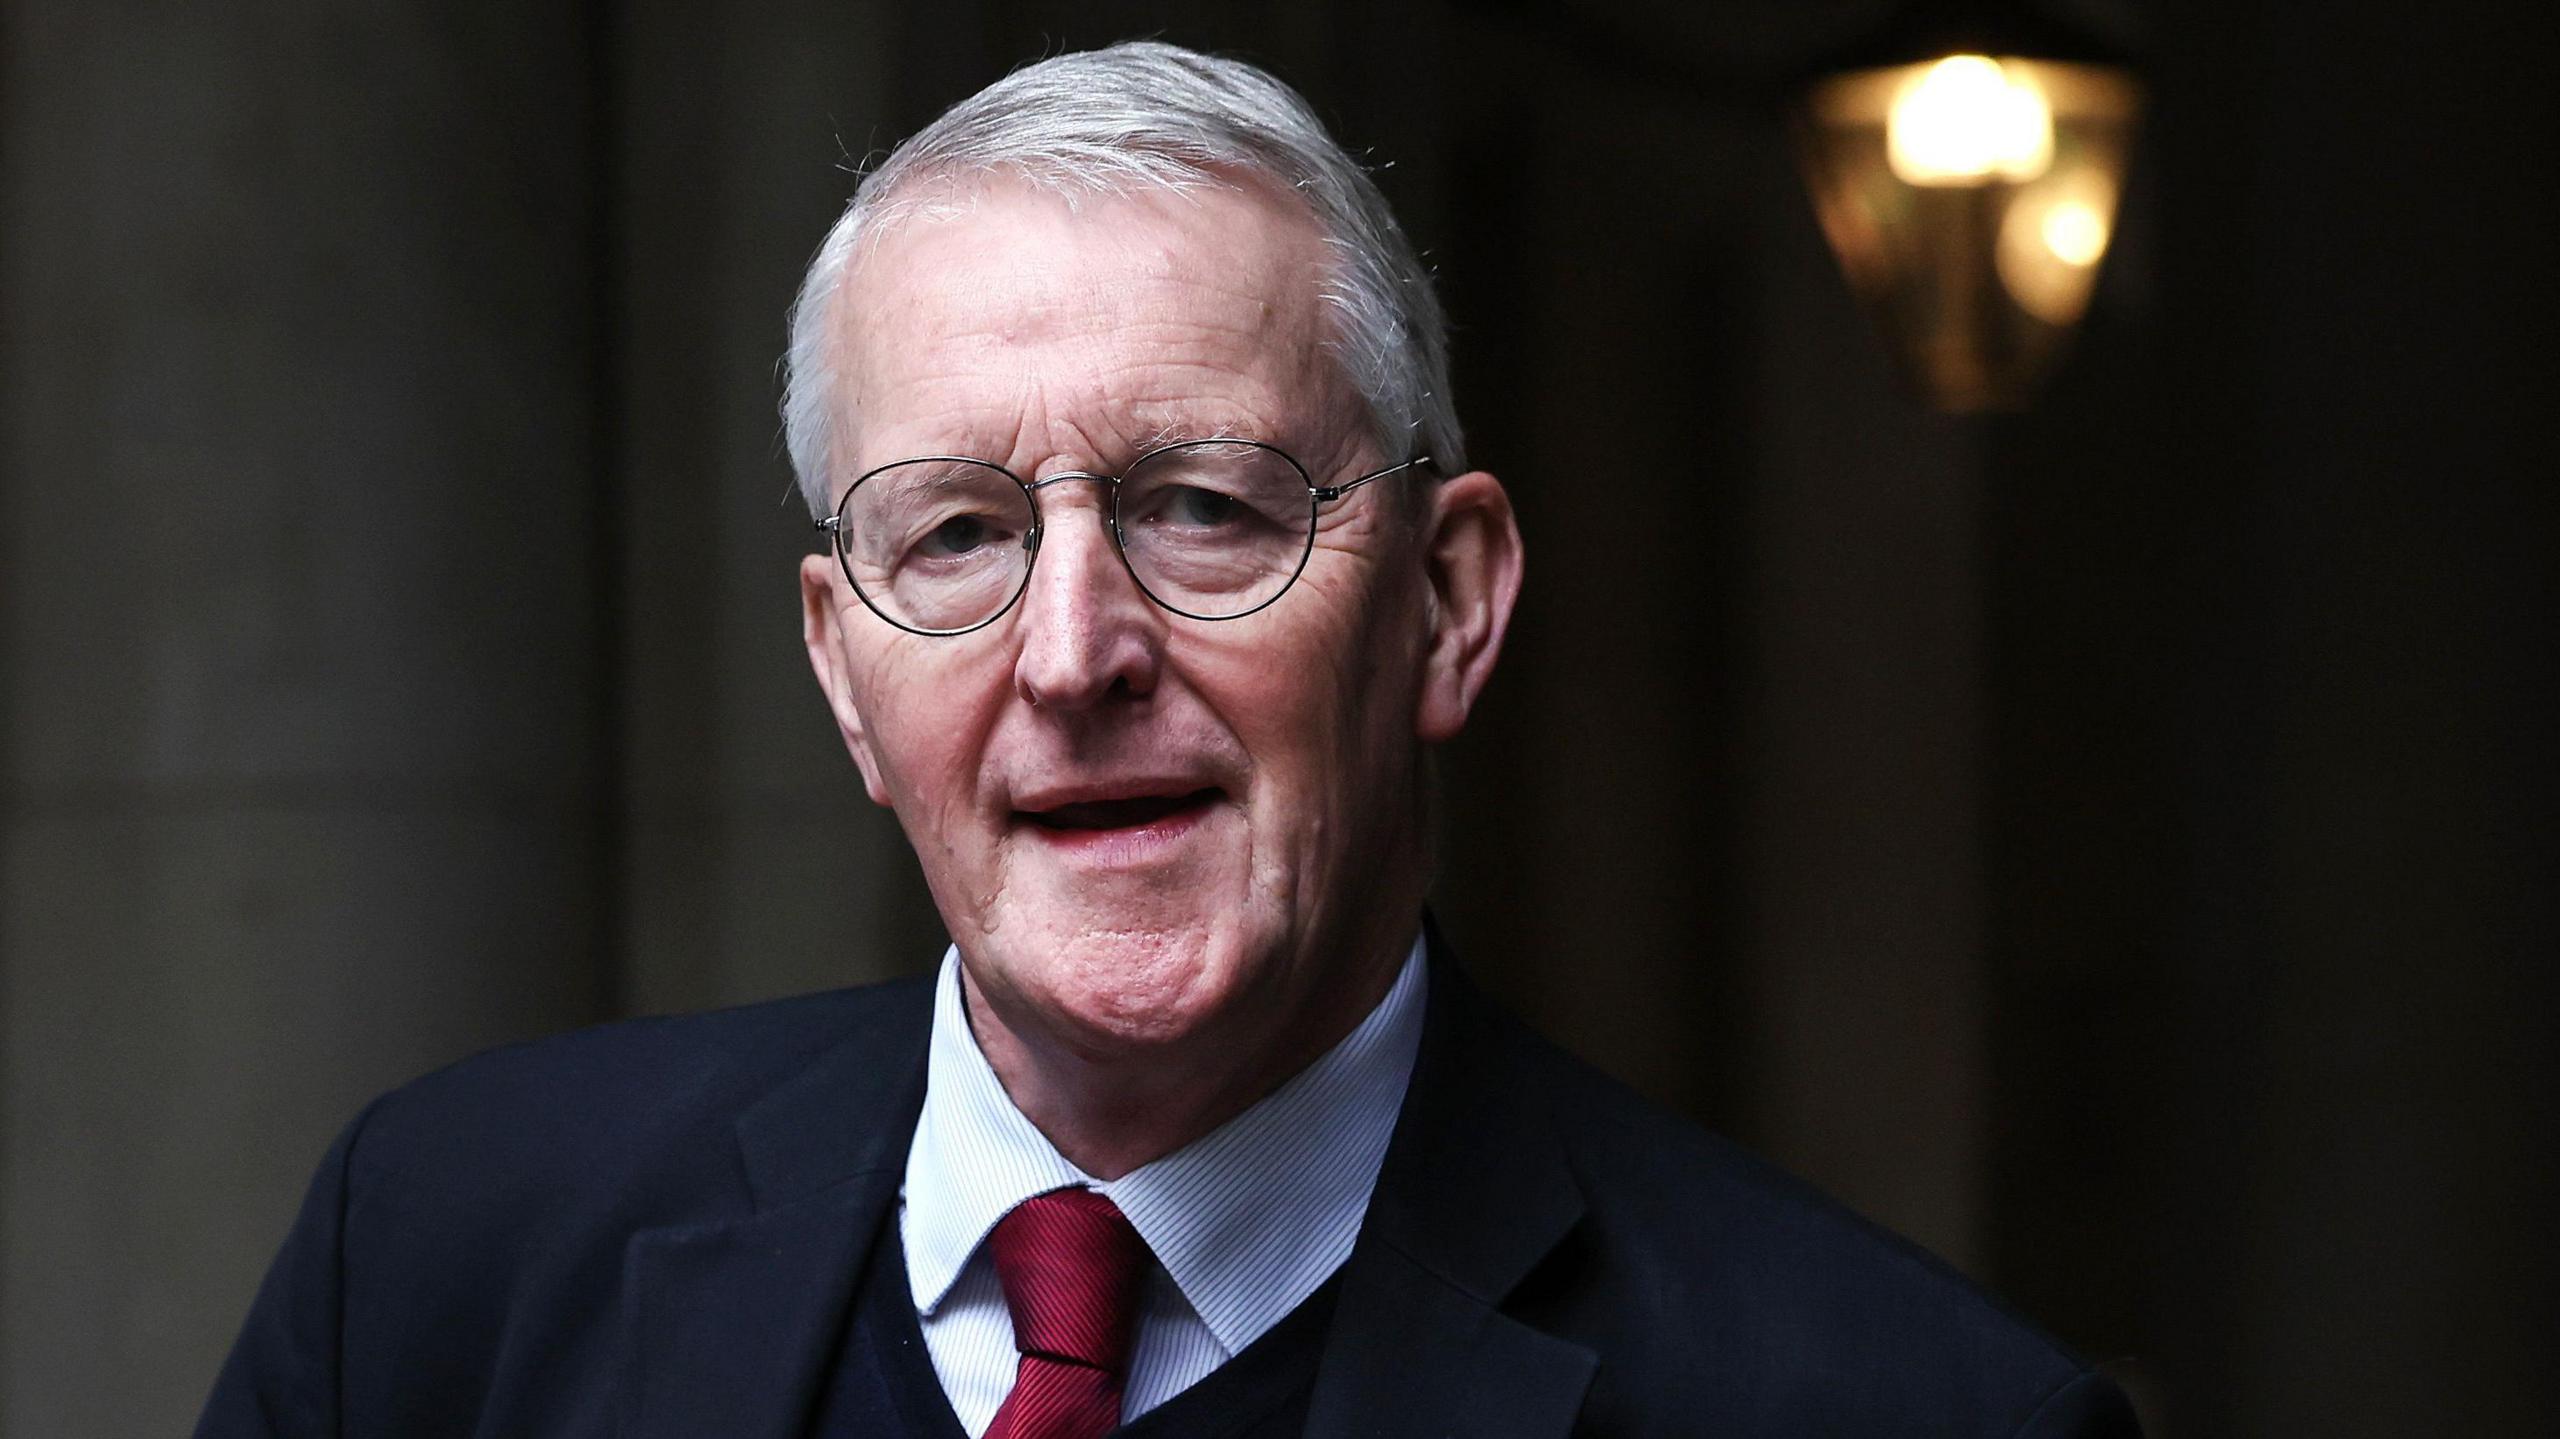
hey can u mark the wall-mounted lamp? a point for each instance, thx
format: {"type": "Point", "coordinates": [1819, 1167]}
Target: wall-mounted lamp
{"type": "Point", "coordinates": [1965, 166]}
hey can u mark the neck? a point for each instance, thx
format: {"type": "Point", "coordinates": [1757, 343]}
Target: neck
{"type": "Point", "coordinates": [1112, 1111]}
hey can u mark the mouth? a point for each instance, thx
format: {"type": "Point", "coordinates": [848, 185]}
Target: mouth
{"type": "Point", "coordinates": [1130, 812]}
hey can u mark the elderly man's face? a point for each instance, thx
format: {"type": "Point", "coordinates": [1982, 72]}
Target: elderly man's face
{"type": "Point", "coordinates": [1141, 829]}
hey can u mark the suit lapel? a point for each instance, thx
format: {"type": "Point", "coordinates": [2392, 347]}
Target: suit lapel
{"type": "Point", "coordinates": [732, 1325]}
{"type": "Point", "coordinates": [1475, 1192]}
{"type": "Point", "coordinates": [1408, 1355]}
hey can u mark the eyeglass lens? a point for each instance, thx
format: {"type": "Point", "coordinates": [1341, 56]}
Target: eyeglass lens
{"type": "Point", "coordinates": [1211, 529]}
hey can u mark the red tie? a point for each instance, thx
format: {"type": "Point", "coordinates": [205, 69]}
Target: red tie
{"type": "Point", "coordinates": [1069, 1262]}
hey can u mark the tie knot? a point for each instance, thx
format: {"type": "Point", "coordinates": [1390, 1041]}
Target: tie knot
{"type": "Point", "coordinates": [1069, 1263]}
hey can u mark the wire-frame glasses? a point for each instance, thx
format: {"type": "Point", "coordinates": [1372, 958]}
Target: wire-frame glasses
{"type": "Point", "coordinates": [1209, 529]}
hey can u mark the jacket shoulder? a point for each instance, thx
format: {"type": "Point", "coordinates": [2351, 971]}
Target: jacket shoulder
{"type": "Point", "coordinates": [461, 1251]}
{"type": "Point", "coordinates": [618, 1108]}
{"type": "Point", "coordinates": [1702, 1267]}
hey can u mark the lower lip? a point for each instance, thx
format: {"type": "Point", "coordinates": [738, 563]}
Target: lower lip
{"type": "Point", "coordinates": [1125, 845]}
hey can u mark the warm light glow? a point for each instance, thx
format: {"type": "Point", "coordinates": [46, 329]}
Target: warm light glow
{"type": "Point", "coordinates": [1972, 202]}
{"type": "Point", "coordinates": [1967, 121]}
{"type": "Point", "coordinates": [2051, 240]}
{"type": "Point", "coordinates": [2075, 232]}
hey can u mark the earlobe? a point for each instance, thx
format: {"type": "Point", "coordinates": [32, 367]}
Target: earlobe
{"type": "Point", "coordinates": [1473, 554]}
{"type": "Point", "coordinates": [822, 616]}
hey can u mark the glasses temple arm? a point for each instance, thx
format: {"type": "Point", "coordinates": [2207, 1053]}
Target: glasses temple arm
{"type": "Point", "coordinates": [1327, 493]}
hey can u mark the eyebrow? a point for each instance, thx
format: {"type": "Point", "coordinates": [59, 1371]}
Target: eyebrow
{"type": "Point", "coordinates": [1174, 432]}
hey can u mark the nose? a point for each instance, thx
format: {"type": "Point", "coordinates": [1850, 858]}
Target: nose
{"type": "Point", "coordinates": [1086, 633]}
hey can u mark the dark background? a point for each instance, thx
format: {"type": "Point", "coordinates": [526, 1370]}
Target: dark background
{"type": "Point", "coordinates": [2111, 844]}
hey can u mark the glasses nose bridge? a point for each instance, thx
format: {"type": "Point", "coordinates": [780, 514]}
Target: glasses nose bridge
{"type": "Point", "coordinates": [1108, 509]}
{"type": "Point", "coordinates": [1063, 477]}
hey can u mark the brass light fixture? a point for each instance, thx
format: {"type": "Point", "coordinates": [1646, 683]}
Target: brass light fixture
{"type": "Point", "coordinates": [1965, 166]}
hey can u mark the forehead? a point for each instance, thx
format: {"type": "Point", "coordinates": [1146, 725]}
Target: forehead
{"type": "Point", "coordinates": [1015, 314]}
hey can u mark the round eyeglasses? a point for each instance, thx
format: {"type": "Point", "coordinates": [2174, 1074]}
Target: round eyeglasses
{"type": "Point", "coordinates": [1209, 529]}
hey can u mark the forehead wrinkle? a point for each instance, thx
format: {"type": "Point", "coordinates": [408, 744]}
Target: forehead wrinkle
{"type": "Point", "coordinates": [1114, 419]}
{"type": "Point", "coordinates": [1219, 339]}
{"type": "Point", "coordinates": [977, 424]}
{"type": "Point", "coordinates": [1042, 299]}
{"type": "Point", "coordinates": [1160, 353]}
{"type": "Point", "coordinates": [1017, 287]}
{"type": "Point", "coordinates": [1114, 412]}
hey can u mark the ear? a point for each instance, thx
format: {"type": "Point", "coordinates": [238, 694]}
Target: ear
{"type": "Point", "coordinates": [825, 600]}
{"type": "Point", "coordinates": [1473, 558]}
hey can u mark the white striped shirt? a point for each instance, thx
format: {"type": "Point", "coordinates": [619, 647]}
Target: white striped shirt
{"type": "Point", "coordinates": [1243, 1223]}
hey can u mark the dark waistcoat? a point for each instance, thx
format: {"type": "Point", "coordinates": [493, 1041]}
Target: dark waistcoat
{"type": "Point", "coordinates": [884, 1382]}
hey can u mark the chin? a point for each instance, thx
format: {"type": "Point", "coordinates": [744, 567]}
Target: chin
{"type": "Point", "coordinates": [1149, 984]}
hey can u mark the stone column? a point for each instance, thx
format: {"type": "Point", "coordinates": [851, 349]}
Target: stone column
{"type": "Point", "coordinates": [295, 617]}
{"type": "Point", "coordinates": [756, 865]}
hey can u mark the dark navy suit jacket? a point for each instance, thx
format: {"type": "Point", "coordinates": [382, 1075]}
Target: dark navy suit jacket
{"type": "Point", "coordinates": [653, 1230]}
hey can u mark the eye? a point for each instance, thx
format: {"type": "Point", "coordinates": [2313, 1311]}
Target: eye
{"type": "Point", "coordinates": [1207, 509]}
{"type": "Point", "coordinates": [957, 536]}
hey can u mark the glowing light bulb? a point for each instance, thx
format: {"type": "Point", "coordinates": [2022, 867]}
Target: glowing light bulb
{"type": "Point", "coordinates": [2051, 240]}
{"type": "Point", "coordinates": [1967, 121]}
{"type": "Point", "coordinates": [2075, 232]}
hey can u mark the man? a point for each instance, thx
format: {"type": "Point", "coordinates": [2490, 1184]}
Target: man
{"type": "Point", "coordinates": [1153, 569]}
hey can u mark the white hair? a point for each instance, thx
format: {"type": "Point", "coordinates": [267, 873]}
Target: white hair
{"type": "Point", "coordinates": [1146, 115]}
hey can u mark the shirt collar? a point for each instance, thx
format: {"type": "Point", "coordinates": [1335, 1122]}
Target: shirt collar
{"type": "Point", "coordinates": [1247, 1220]}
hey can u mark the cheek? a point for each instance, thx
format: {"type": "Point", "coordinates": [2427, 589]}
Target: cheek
{"type": "Point", "coordinates": [927, 728]}
{"type": "Point", "coordinates": [1323, 707]}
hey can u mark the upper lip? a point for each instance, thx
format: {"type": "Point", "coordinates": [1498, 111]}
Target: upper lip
{"type": "Point", "coordinates": [1103, 791]}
